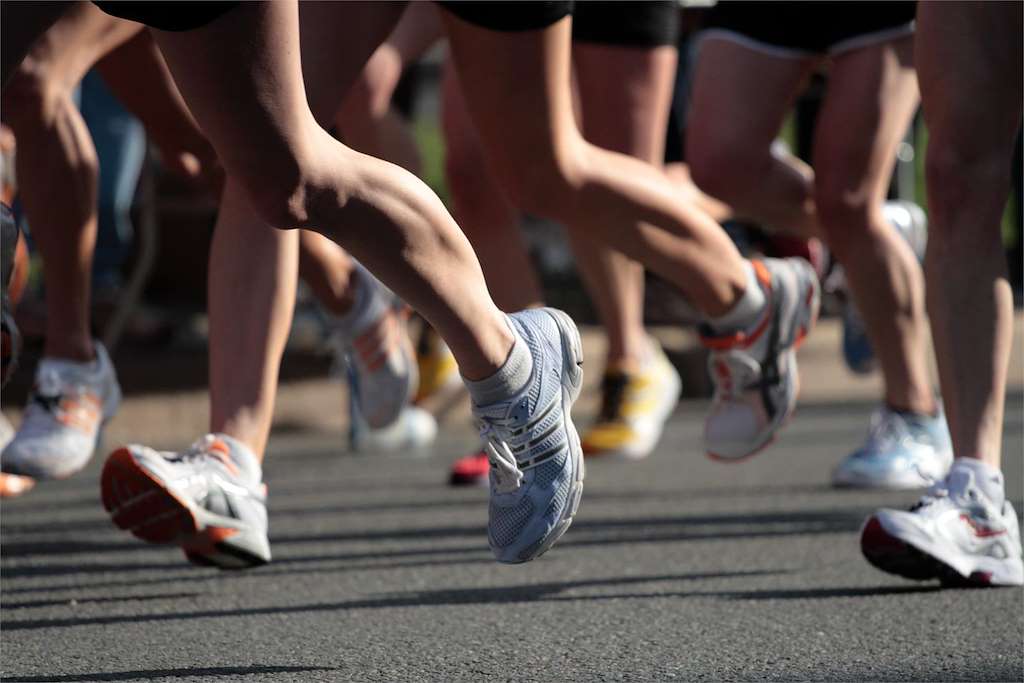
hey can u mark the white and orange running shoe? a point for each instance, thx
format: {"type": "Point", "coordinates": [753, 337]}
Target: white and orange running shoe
{"type": "Point", "coordinates": [754, 370]}
{"type": "Point", "coordinates": [61, 425]}
{"type": "Point", "coordinates": [955, 533]}
{"type": "Point", "coordinates": [209, 499]}
{"type": "Point", "coordinates": [375, 341]}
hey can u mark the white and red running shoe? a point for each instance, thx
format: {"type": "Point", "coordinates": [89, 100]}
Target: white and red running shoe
{"type": "Point", "coordinates": [955, 533]}
{"type": "Point", "coordinates": [754, 370]}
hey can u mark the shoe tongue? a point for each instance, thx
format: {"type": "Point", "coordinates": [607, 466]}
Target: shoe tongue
{"type": "Point", "coordinates": [967, 474]}
{"type": "Point", "coordinates": [53, 373]}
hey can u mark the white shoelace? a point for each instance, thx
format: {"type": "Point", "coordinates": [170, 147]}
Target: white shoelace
{"type": "Point", "coordinates": [507, 475]}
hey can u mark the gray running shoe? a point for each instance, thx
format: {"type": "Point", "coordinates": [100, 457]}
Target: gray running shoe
{"type": "Point", "coordinates": [536, 461]}
{"type": "Point", "coordinates": [208, 499]}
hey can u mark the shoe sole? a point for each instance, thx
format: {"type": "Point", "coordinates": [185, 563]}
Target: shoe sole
{"type": "Point", "coordinates": [572, 361]}
{"type": "Point", "coordinates": [894, 556]}
{"type": "Point", "coordinates": [141, 504]}
{"type": "Point", "coordinates": [813, 300]}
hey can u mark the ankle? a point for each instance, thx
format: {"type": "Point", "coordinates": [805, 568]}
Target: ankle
{"type": "Point", "coordinates": [74, 349]}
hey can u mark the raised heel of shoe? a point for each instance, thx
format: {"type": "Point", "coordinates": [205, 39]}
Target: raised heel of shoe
{"type": "Point", "coordinates": [572, 349]}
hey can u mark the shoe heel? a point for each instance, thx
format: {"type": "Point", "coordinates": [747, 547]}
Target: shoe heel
{"type": "Point", "coordinates": [572, 349]}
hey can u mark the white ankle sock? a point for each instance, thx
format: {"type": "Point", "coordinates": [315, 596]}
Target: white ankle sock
{"type": "Point", "coordinates": [747, 310]}
{"type": "Point", "coordinates": [510, 377]}
{"type": "Point", "coordinates": [987, 478]}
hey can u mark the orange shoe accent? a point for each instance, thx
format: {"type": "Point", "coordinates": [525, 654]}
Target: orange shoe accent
{"type": "Point", "coordinates": [762, 274]}
{"type": "Point", "coordinates": [220, 450]}
{"type": "Point", "coordinates": [81, 412]}
{"type": "Point", "coordinates": [739, 339]}
{"type": "Point", "coordinates": [140, 503]}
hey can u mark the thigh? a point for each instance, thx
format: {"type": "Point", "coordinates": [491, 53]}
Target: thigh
{"type": "Point", "coordinates": [968, 56]}
{"type": "Point", "coordinates": [242, 79]}
{"type": "Point", "coordinates": [516, 87]}
{"type": "Point", "coordinates": [741, 96]}
{"type": "Point", "coordinates": [625, 94]}
{"type": "Point", "coordinates": [870, 100]}
{"type": "Point", "coordinates": [337, 39]}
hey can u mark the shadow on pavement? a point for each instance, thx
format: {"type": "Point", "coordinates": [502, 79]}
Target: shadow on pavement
{"type": "Point", "coordinates": [520, 593]}
{"type": "Point", "coordinates": [153, 674]}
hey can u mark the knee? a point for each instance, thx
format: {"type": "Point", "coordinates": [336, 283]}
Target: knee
{"type": "Point", "coordinates": [279, 194]}
{"type": "Point", "coordinates": [964, 179]}
{"type": "Point", "coordinates": [31, 98]}
{"type": "Point", "coordinates": [844, 216]}
{"type": "Point", "coordinates": [549, 185]}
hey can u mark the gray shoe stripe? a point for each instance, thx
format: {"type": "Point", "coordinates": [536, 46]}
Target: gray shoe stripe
{"type": "Point", "coordinates": [543, 457]}
{"type": "Point", "coordinates": [538, 419]}
{"type": "Point", "coordinates": [536, 440]}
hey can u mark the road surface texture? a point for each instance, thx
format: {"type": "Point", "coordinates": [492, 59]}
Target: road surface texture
{"type": "Point", "coordinates": [677, 568]}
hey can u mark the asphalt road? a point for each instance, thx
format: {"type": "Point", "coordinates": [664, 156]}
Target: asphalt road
{"type": "Point", "coordinates": [677, 568]}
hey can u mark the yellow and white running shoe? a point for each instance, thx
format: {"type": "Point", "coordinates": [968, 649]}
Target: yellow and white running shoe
{"type": "Point", "coordinates": [634, 408]}
{"type": "Point", "coordinates": [438, 370]}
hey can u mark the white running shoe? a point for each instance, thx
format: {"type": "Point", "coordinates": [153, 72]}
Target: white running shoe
{"type": "Point", "coordinates": [634, 408]}
{"type": "Point", "coordinates": [902, 451]}
{"type": "Point", "coordinates": [534, 450]}
{"type": "Point", "coordinates": [754, 371]}
{"type": "Point", "coordinates": [61, 425]}
{"type": "Point", "coordinates": [209, 499]}
{"type": "Point", "coordinates": [955, 533]}
{"type": "Point", "coordinates": [374, 338]}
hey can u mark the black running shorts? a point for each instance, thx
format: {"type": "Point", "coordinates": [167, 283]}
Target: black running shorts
{"type": "Point", "coordinates": [801, 28]}
{"type": "Point", "coordinates": [509, 16]}
{"type": "Point", "coordinates": [183, 15]}
{"type": "Point", "coordinates": [626, 24]}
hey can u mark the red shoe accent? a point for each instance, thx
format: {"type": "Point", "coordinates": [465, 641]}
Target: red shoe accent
{"type": "Point", "coordinates": [876, 539]}
{"type": "Point", "coordinates": [205, 542]}
{"type": "Point", "coordinates": [471, 470]}
{"type": "Point", "coordinates": [139, 503]}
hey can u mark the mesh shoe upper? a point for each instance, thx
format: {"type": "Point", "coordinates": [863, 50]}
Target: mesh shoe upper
{"type": "Point", "coordinates": [536, 470]}
{"type": "Point", "coordinates": [61, 424]}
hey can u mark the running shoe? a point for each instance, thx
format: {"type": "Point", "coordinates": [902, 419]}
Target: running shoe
{"type": "Point", "coordinates": [955, 533]}
{"type": "Point", "coordinates": [436, 366]}
{"type": "Point", "coordinates": [536, 462]}
{"type": "Point", "coordinates": [209, 499]}
{"type": "Point", "coordinates": [374, 339]}
{"type": "Point", "coordinates": [60, 428]}
{"type": "Point", "coordinates": [634, 408]}
{"type": "Point", "coordinates": [911, 222]}
{"type": "Point", "coordinates": [754, 371]}
{"type": "Point", "coordinates": [471, 470]}
{"type": "Point", "coordinates": [902, 451]}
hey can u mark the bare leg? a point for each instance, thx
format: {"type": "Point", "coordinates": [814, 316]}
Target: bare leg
{"type": "Point", "coordinates": [969, 64]}
{"type": "Point", "coordinates": [625, 95]}
{"type": "Point", "coordinates": [753, 91]}
{"type": "Point", "coordinates": [855, 150]}
{"type": "Point", "coordinates": [540, 157]}
{"type": "Point", "coordinates": [485, 214]}
{"type": "Point", "coordinates": [301, 177]}
{"type": "Point", "coordinates": [250, 312]}
{"type": "Point", "coordinates": [46, 121]}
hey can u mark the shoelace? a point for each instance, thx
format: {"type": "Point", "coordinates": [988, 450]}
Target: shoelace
{"type": "Point", "coordinates": [508, 477]}
{"type": "Point", "coordinates": [199, 450]}
{"type": "Point", "coordinates": [888, 428]}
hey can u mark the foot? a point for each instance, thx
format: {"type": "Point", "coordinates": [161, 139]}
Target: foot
{"type": "Point", "coordinates": [634, 408]}
{"type": "Point", "coordinates": [436, 366]}
{"type": "Point", "coordinates": [902, 451]}
{"type": "Point", "coordinates": [471, 470]}
{"type": "Point", "coordinates": [754, 371]}
{"type": "Point", "coordinates": [209, 499]}
{"type": "Point", "coordinates": [61, 425]}
{"type": "Point", "coordinates": [413, 431]}
{"type": "Point", "coordinates": [535, 457]}
{"type": "Point", "coordinates": [911, 222]}
{"type": "Point", "coordinates": [955, 533]}
{"type": "Point", "coordinates": [373, 336]}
